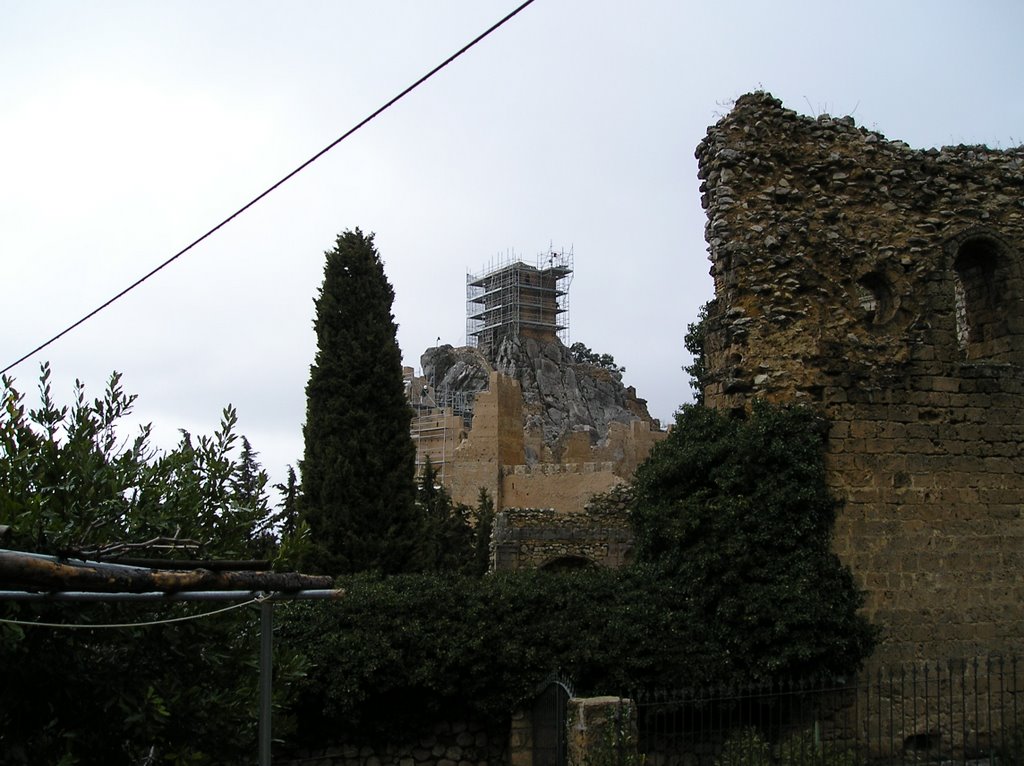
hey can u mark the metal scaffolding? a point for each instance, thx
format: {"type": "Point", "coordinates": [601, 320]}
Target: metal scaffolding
{"type": "Point", "coordinates": [438, 416]}
{"type": "Point", "coordinates": [512, 298]}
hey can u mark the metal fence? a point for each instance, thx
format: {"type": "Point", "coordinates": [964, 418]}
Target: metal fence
{"type": "Point", "coordinates": [951, 712]}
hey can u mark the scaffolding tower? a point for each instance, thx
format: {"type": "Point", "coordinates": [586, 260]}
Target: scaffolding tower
{"type": "Point", "coordinates": [438, 419]}
{"type": "Point", "coordinates": [513, 298]}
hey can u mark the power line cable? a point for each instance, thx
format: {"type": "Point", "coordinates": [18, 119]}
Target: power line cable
{"type": "Point", "coordinates": [288, 177]}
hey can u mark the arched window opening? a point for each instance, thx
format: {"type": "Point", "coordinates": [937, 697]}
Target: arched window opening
{"type": "Point", "coordinates": [567, 563]}
{"type": "Point", "coordinates": [980, 278]}
{"type": "Point", "coordinates": [875, 296]}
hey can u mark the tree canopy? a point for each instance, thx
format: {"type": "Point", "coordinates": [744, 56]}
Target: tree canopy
{"type": "Point", "coordinates": [358, 487]}
{"type": "Point", "coordinates": [738, 512]}
{"type": "Point", "coordinates": [583, 354]}
{"type": "Point", "coordinates": [694, 341]}
{"type": "Point", "coordinates": [72, 484]}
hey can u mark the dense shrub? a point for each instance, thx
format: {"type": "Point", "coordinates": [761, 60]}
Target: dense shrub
{"type": "Point", "coordinates": [737, 511]}
{"type": "Point", "coordinates": [734, 582]}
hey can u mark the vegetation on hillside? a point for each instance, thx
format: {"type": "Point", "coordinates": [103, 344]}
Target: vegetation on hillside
{"type": "Point", "coordinates": [582, 354]}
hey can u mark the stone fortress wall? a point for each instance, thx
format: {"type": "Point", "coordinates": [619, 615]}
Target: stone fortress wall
{"type": "Point", "coordinates": [549, 514]}
{"type": "Point", "coordinates": [530, 448]}
{"type": "Point", "coordinates": [600, 534]}
{"type": "Point", "coordinates": [885, 286]}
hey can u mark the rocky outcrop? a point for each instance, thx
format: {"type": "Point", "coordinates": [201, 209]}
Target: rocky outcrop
{"type": "Point", "coordinates": [560, 395]}
{"type": "Point", "coordinates": [454, 371]}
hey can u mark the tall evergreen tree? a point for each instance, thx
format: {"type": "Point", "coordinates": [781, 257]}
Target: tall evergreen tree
{"type": "Point", "coordinates": [449, 537]}
{"type": "Point", "coordinates": [358, 486]}
{"type": "Point", "coordinates": [482, 532]}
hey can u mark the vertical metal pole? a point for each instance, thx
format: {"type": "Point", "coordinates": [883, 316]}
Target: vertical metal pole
{"type": "Point", "coordinates": [266, 672]}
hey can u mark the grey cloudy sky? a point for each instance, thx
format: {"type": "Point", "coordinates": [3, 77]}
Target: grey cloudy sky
{"type": "Point", "coordinates": [127, 129]}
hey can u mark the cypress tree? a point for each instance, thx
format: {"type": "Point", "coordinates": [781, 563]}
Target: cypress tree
{"type": "Point", "coordinates": [358, 486]}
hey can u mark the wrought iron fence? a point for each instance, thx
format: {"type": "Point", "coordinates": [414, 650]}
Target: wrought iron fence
{"type": "Point", "coordinates": [951, 712]}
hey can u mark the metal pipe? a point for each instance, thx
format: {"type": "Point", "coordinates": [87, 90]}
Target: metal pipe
{"type": "Point", "coordinates": [195, 595]}
{"type": "Point", "coordinates": [266, 673]}
{"type": "Point", "coordinates": [266, 630]}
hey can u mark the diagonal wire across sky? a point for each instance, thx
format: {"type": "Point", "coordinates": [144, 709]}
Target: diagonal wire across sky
{"type": "Point", "coordinates": [366, 120]}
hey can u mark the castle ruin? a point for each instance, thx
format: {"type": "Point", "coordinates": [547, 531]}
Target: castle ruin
{"type": "Point", "coordinates": [883, 285]}
{"type": "Point", "coordinates": [516, 414]}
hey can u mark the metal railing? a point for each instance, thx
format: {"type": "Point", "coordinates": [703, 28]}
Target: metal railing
{"type": "Point", "coordinates": [951, 712]}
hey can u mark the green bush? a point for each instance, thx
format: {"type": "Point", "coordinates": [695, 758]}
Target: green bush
{"type": "Point", "coordinates": [734, 583]}
{"type": "Point", "coordinates": [737, 513]}
{"type": "Point", "coordinates": [71, 482]}
{"type": "Point", "coordinates": [805, 748]}
{"type": "Point", "coordinates": [398, 652]}
{"type": "Point", "coordinates": [745, 747]}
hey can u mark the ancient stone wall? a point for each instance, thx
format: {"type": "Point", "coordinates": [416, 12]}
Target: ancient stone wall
{"type": "Point", "coordinates": [530, 538]}
{"type": "Point", "coordinates": [495, 440]}
{"type": "Point", "coordinates": [493, 452]}
{"type": "Point", "coordinates": [555, 485]}
{"type": "Point", "coordinates": [884, 285]}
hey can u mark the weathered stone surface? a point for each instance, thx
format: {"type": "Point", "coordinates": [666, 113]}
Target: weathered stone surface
{"type": "Point", "coordinates": [885, 286]}
{"type": "Point", "coordinates": [544, 432]}
{"type": "Point", "coordinates": [601, 730]}
{"type": "Point", "coordinates": [531, 538]}
{"type": "Point", "coordinates": [462, 370]}
{"type": "Point", "coordinates": [560, 396]}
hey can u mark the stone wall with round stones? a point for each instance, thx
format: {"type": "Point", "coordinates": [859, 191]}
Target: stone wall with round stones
{"type": "Point", "coordinates": [884, 285]}
{"type": "Point", "coordinates": [532, 538]}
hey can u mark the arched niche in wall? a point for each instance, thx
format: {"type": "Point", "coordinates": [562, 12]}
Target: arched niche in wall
{"type": "Point", "coordinates": [567, 563]}
{"type": "Point", "coordinates": [876, 297]}
{"type": "Point", "coordinates": [986, 296]}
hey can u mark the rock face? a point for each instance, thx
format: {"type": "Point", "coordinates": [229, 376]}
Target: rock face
{"type": "Point", "coordinates": [453, 371]}
{"type": "Point", "coordinates": [560, 396]}
{"type": "Point", "coordinates": [884, 285]}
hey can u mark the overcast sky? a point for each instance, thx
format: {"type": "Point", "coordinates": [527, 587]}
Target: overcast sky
{"type": "Point", "coordinates": [128, 129]}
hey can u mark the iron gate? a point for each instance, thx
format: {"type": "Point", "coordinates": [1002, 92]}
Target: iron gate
{"type": "Point", "coordinates": [548, 720]}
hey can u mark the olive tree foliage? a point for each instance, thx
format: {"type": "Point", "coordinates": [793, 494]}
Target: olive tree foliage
{"type": "Point", "coordinates": [72, 483]}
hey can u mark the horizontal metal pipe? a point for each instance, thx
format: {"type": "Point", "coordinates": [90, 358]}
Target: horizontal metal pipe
{"type": "Point", "coordinates": [199, 595]}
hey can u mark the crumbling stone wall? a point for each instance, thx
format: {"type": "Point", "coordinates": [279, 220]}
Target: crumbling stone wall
{"type": "Point", "coordinates": [494, 451]}
{"type": "Point", "coordinates": [884, 285]}
{"type": "Point", "coordinates": [532, 538]}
